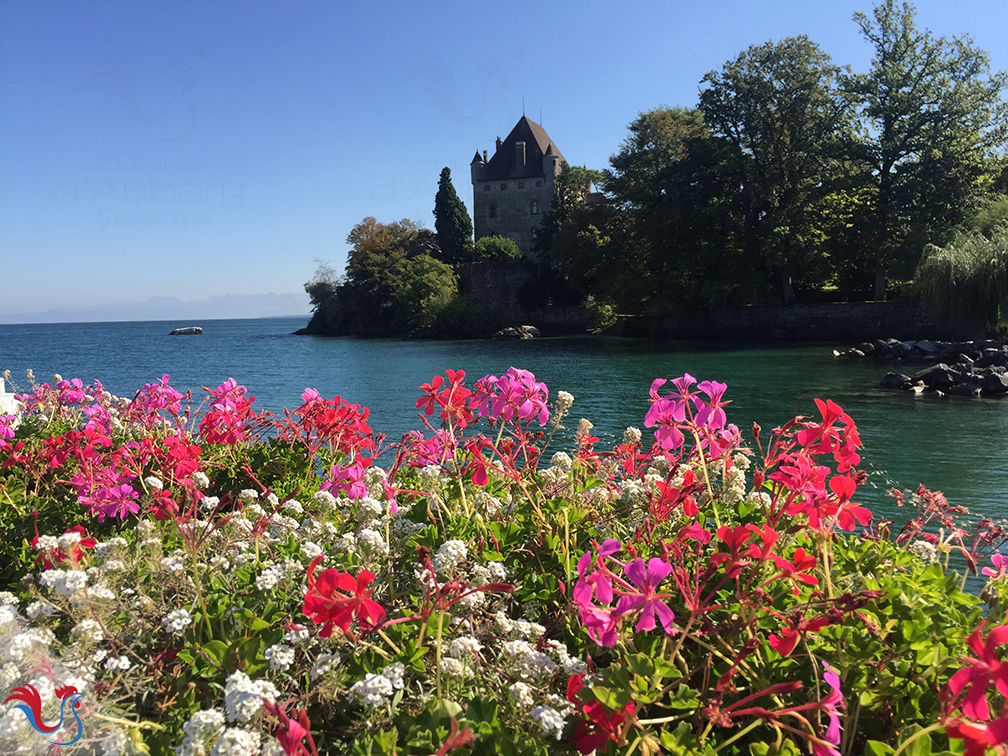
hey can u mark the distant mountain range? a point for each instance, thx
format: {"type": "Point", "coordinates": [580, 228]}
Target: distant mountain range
{"type": "Point", "coordinates": [171, 308]}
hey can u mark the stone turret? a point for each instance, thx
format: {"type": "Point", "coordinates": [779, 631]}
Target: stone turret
{"type": "Point", "coordinates": [514, 188]}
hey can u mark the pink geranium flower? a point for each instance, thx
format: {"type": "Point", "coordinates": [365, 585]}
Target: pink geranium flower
{"type": "Point", "coordinates": [647, 599]}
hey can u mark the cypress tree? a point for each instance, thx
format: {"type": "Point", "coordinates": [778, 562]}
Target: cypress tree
{"type": "Point", "coordinates": [452, 223]}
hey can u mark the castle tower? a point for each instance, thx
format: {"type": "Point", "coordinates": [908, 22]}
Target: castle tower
{"type": "Point", "coordinates": [513, 189]}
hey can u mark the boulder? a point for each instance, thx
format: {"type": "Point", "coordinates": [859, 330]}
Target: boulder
{"type": "Point", "coordinates": [939, 376]}
{"type": "Point", "coordinates": [995, 384]}
{"type": "Point", "coordinates": [926, 348]}
{"type": "Point", "coordinates": [856, 353]}
{"type": "Point", "coordinates": [899, 350]}
{"type": "Point", "coordinates": [529, 331]}
{"type": "Point", "coordinates": [964, 389]}
{"type": "Point", "coordinates": [896, 381]}
{"type": "Point", "coordinates": [882, 348]}
{"type": "Point", "coordinates": [866, 347]}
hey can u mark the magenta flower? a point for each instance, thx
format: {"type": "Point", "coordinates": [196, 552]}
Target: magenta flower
{"type": "Point", "coordinates": [1000, 563]}
{"type": "Point", "coordinates": [349, 479]}
{"type": "Point", "coordinates": [831, 706]}
{"type": "Point", "coordinates": [119, 501]}
{"type": "Point", "coordinates": [711, 414]}
{"type": "Point", "coordinates": [515, 394]}
{"type": "Point", "coordinates": [647, 599]}
{"type": "Point", "coordinates": [7, 426]}
{"type": "Point", "coordinates": [598, 620]}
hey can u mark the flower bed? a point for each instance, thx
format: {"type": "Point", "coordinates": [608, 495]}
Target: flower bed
{"type": "Point", "coordinates": [204, 579]}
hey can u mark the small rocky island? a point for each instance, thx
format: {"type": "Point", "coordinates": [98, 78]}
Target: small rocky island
{"type": "Point", "coordinates": [959, 368]}
{"type": "Point", "coordinates": [187, 331]}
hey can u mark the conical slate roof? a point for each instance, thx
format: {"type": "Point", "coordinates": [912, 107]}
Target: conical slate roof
{"type": "Point", "coordinates": [504, 165]}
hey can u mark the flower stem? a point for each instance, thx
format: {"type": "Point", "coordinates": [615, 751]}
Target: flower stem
{"type": "Point", "coordinates": [437, 659]}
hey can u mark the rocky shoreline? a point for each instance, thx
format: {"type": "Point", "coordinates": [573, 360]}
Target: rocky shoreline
{"type": "Point", "coordinates": [957, 368]}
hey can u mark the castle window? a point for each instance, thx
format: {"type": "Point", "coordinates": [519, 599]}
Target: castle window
{"type": "Point", "coordinates": [521, 184]}
{"type": "Point", "coordinates": [533, 208]}
{"type": "Point", "coordinates": [492, 211]}
{"type": "Point", "coordinates": [503, 186]}
{"type": "Point", "coordinates": [486, 187]}
{"type": "Point", "coordinates": [538, 183]}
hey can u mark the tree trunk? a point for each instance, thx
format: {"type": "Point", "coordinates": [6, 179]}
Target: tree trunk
{"type": "Point", "coordinates": [880, 288]}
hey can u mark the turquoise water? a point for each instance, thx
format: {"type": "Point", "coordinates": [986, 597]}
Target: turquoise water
{"type": "Point", "coordinates": [956, 445]}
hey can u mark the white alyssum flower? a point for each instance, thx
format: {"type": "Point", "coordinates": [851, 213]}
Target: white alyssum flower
{"type": "Point", "coordinates": [88, 629]}
{"type": "Point", "coordinates": [373, 690]}
{"type": "Point", "coordinates": [455, 667]}
{"type": "Point", "coordinates": [68, 540]}
{"type": "Point", "coordinates": [293, 505]}
{"type": "Point", "coordinates": [248, 495]}
{"type": "Point", "coordinates": [522, 694]}
{"type": "Point", "coordinates": [236, 741]}
{"type": "Point", "coordinates": [324, 664]}
{"type": "Point", "coordinates": [564, 401]}
{"type": "Point", "coordinates": [40, 606]}
{"type": "Point", "coordinates": [311, 549]}
{"type": "Point", "coordinates": [105, 549]}
{"type": "Point", "coordinates": [562, 460]}
{"type": "Point", "coordinates": [346, 543]}
{"type": "Point", "coordinates": [173, 563]}
{"type": "Point", "coordinates": [280, 656]}
{"type": "Point", "coordinates": [324, 499]}
{"type": "Point", "coordinates": [153, 482]}
{"type": "Point", "coordinates": [8, 599]}
{"type": "Point", "coordinates": [550, 720]}
{"type": "Point", "coordinates": [924, 550]}
{"type": "Point", "coordinates": [200, 480]}
{"type": "Point", "coordinates": [371, 542]}
{"type": "Point", "coordinates": [209, 503]}
{"type": "Point", "coordinates": [631, 436]}
{"type": "Point", "coordinates": [219, 562]}
{"type": "Point", "coordinates": [117, 662]}
{"type": "Point", "coordinates": [8, 614]}
{"type": "Point", "coordinates": [115, 743]}
{"type": "Point", "coordinates": [449, 555]}
{"type": "Point", "coordinates": [296, 634]}
{"type": "Point", "coordinates": [47, 543]}
{"type": "Point", "coordinates": [243, 698]}
{"type": "Point", "coordinates": [467, 645]}
{"type": "Point", "coordinates": [204, 723]}
{"type": "Point", "coordinates": [176, 621]}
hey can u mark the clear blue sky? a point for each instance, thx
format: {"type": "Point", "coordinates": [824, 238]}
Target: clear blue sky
{"type": "Point", "coordinates": [196, 149]}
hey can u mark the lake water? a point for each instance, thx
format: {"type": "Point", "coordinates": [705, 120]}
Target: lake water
{"type": "Point", "coordinates": [956, 445]}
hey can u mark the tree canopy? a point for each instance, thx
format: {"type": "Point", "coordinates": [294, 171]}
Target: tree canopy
{"type": "Point", "coordinates": [452, 222]}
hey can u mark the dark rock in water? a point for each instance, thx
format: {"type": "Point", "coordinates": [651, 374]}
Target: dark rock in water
{"type": "Point", "coordinates": [856, 353]}
{"type": "Point", "coordinates": [882, 348]}
{"type": "Point", "coordinates": [926, 347]}
{"type": "Point", "coordinates": [187, 331]}
{"type": "Point", "coordinates": [939, 376]}
{"type": "Point", "coordinates": [513, 334]}
{"type": "Point", "coordinates": [964, 389]}
{"type": "Point", "coordinates": [899, 349]}
{"type": "Point", "coordinates": [867, 347]}
{"type": "Point", "coordinates": [995, 384]}
{"type": "Point", "coordinates": [896, 381]}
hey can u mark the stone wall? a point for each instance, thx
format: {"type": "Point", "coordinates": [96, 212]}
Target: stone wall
{"type": "Point", "coordinates": [495, 285]}
{"type": "Point", "coordinates": [849, 323]}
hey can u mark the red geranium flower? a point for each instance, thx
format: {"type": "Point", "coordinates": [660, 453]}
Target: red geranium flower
{"type": "Point", "coordinates": [324, 604]}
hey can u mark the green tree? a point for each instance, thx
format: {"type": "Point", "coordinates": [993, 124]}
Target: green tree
{"type": "Point", "coordinates": [967, 280]}
{"type": "Point", "coordinates": [452, 222]}
{"type": "Point", "coordinates": [376, 268]}
{"type": "Point", "coordinates": [496, 248]}
{"type": "Point", "coordinates": [428, 288]}
{"type": "Point", "coordinates": [572, 187]}
{"type": "Point", "coordinates": [777, 104]}
{"type": "Point", "coordinates": [933, 111]}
